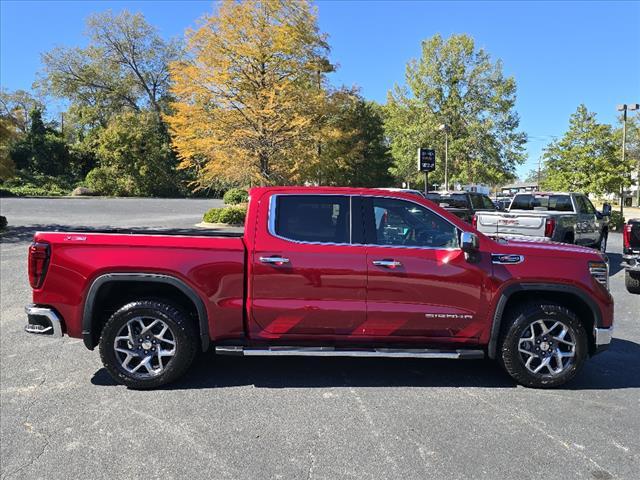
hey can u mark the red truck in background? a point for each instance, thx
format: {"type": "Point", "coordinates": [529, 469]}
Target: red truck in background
{"type": "Point", "coordinates": [326, 272]}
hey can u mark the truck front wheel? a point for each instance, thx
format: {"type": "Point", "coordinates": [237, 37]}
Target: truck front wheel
{"type": "Point", "coordinates": [146, 344]}
{"type": "Point", "coordinates": [632, 281]}
{"type": "Point", "coordinates": [543, 345]}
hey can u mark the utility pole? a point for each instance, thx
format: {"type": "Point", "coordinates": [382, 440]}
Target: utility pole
{"type": "Point", "coordinates": [623, 108]}
{"type": "Point", "coordinates": [539, 162]}
{"type": "Point", "coordinates": [445, 128]}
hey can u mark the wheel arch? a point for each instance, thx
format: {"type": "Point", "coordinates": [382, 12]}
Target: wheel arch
{"type": "Point", "coordinates": [152, 284]}
{"type": "Point", "coordinates": [587, 310]}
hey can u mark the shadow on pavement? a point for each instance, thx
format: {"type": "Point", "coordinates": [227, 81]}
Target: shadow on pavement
{"type": "Point", "coordinates": [614, 263]}
{"type": "Point", "coordinates": [617, 368]}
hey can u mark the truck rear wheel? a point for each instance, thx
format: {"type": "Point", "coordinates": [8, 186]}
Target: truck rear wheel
{"type": "Point", "coordinates": [632, 281]}
{"type": "Point", "coordinates": [543, 345]}
{"type": "Point", "coordinates": [146, 344]}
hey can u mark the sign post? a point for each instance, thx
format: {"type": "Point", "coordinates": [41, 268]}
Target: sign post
{"type": "Point", "coordinates": [426, 164]}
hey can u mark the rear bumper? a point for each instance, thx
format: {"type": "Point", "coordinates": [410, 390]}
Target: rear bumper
{"type": "Point", "coordinates": [602, 338]}
{"type": "Point", "coordinates": [43, 321]}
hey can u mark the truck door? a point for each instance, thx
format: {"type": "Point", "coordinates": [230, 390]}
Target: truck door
{"type": "Point", "coordinates": [588, 232]}
{"type": "Point", "coordinates": [419, 282]}
{"type": "Point", "coordinates": [307, 276]}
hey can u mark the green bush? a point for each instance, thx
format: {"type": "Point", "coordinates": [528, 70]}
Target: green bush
{"type": "Point", "coordinates": [616, 221]}
{"type": "Point", "coordinates": [236, 196]}
{"type": "Point", "coordinates": [111, 182]}
{"type": "Point", "coordinates": [26, 184]}
{"type": "Point", "coordinates": [229, 215]}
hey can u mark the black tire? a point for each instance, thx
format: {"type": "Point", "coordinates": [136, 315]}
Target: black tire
{"type": "Point", "coordinates": [181, 331]}
{"type": "Point", "coordinates": [632, 281]}
{"type": "Point", "coordinates": [518, 324]}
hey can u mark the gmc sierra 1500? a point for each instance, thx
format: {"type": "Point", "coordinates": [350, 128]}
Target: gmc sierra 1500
{"type": "Point", "coordinates": [327, 272]}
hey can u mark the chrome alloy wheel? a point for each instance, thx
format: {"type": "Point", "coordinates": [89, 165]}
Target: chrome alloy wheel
{"type": "Point", "coordinates": [547, 347]}
{"type": "Point", "coordinates": [144, 346]}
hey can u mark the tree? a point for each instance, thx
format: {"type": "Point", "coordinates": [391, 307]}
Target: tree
{"type": "Point", "coordinates": [353, 150]}
{"type": "Point", "coordinates": [42, 150]}
{"type": "Point", "coordinates": [135, 158]}
{"type": "Point", "coordinates": [8, 135]}
{"type": "Point", "coordinates": [250, 93]}
{"type": "Point", "coordinates": [454, 84]}
{"type": "Point", "coordinates": [125, 67]}
{"type": "Point", "coordinates": [586, 158]}
{"type": "Point", "coordinates": [16, 106]}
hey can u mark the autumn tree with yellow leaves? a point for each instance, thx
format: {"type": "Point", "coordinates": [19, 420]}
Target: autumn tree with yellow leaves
{"type": "Point", "coordinates": [250, 97]}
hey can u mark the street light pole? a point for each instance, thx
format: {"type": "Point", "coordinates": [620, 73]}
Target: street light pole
{"type": "Point", "coordinates": [445, 128]}
{"type": "Point", "coordinates": [623, 108]}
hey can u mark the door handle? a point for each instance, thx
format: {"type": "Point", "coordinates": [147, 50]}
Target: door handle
{"type": "Point", "coordinates": [387, 263]}
{"type": "Point", "coordinates": [274, 260]}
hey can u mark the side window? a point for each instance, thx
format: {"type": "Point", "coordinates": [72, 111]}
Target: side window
{"type": "Point", "coordinates": [476, 202]}
{"type": "Point", "coordinates": [402, 223]}
{"type": "Point", "coordinates": [488, 204]}
{"type": "Point", "coordinates": [313, 218]}
{"type": "Point", "coordinates": [589, 208]}
{"type": "Point", "coordinates": [581, 204]}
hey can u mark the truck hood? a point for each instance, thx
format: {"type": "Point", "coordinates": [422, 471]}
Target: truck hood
{"type": "Point", "coordinates": [553, 248]}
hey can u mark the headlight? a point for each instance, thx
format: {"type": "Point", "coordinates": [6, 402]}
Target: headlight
{"type": "Point", "coordinates": [600, 271]}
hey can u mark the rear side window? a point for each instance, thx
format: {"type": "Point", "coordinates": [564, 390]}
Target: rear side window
{"type": "Point", "coordinates": [313, 218]}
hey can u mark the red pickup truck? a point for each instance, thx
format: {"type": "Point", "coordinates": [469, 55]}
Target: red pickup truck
{"type": "Point", "coordinates": [323, 272]}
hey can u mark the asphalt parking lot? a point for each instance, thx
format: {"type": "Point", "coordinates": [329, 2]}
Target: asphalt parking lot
{"type": "Point", "coordinates": [63, 417]}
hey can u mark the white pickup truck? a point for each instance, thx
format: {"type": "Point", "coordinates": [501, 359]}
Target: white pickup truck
{"type": "Point", "coordinates": [549, 216]}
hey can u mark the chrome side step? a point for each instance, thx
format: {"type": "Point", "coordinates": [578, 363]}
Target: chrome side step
{"type": "Point", "coordinates": [356, 352]}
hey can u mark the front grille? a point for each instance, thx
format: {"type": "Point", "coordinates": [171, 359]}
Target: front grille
{"type": "Point", "coordinates": [600, 272]}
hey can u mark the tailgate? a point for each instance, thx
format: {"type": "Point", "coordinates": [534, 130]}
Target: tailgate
{"type": "Point", "coordinates": [634, 235]}
{"type": "Point", "coordinates": [512, 223]}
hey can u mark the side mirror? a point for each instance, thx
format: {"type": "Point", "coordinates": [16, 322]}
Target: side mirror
{"type": "Point", "coordinates": [469, 242]}
{"type": "Point", "coordinates": [606, 210]}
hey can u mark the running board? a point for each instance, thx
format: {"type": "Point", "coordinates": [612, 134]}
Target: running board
{"type": "Point", "coordinates": [343, 352]}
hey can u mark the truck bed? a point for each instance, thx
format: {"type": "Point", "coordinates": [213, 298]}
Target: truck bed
{"type": "Point", "coordinates": [184, 232]}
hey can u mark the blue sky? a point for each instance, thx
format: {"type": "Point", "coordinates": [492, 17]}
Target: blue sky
{"type": "Point", "coordinates": [560, 53]}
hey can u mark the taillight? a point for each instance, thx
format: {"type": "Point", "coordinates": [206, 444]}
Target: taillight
{"type": "Point", "coordinates": [39, 253]}
{"type": "Point", "coordinates": [474, 221]}
{"type": "Point", "coordinates": [549, 227]}
{"type": "Point", "coordinates": [626, 236]}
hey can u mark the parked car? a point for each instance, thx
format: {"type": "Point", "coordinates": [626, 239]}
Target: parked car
{"type": "Point", "coordinates": [549, 216]}
{"type": "Point", "coordinates": [463, 204]}
{"type": "Point", "coordinates": [323, 272]}
{"type": "Point", "coordinates": [631, 255]}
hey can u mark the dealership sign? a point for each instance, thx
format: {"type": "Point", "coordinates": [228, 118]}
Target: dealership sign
{"type": "Point", "coordinates": [426, 159]}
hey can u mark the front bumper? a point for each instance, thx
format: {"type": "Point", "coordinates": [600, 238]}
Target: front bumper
{"type": "Point", "coordinates": [602, 338]}
{"type": "Point", "coordinates": [43, 321]}
{"type": "Point", "coordinates": [631, 262]}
